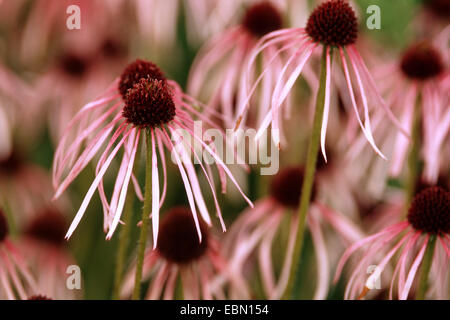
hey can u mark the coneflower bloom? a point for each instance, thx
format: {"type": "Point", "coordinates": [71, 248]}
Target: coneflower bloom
{"type": "Point", "coordinates": [332, 26]}
{"type": "Point", "coordinates": [218, 69]}
{"type": "Point", "coordinates": [142, 100]}
{"type": "Point", "coordinates": [12, 107]}
{"type": "Point", "coordinates": [253, 233]}
{"type": "Point", "coordinates": [428, 221]}
{"type": "Point", "coordinates": [23, 186]}
{"type": "Point", "coordinates": [422, 78]}
{"type": "Point", "coordinates": [180, 254]}
{"type": "Point", "coordinates": [16, 281]}
{"type": "Point", "coordinates": [75, 77]}
{"type": "Point", "coordinates": [43, 244]}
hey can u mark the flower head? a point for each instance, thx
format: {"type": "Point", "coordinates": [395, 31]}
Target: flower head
{"type": "Point", "coordinates": [332, 26]}
{"type": "Point", "coordinates": [142, 100]}
{"type": "Point", "coordinates": [262, 18]}
{"type": "Point", "coordinates": [179, 253]}
{"type": "Point", "coordinates": [428, 217]}
{"type": "Point", "coordinates": [333, 23]}
{"type": "Point", "coordinates": [253, 234]}
{"type": "Point", "coordinates": [416, 89]}
{"type": "Point", "coordinates": [430, 211]}
{"type": "Point", "coordinates": [44, 246]}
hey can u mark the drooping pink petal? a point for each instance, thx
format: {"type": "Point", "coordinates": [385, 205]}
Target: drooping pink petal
{"type": "Point", "coordinates": [326, 109]}
{"type": "Point", "coordinates": [413, 270]}
{"type": "Point", "coordinates": [94, 186]}
{"type": "Point", "coordinates": [126, 182]}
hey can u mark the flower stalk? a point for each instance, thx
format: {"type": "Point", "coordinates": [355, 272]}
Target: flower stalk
{"type": "Point", "coordinates": [123, 244]}
{"type": "Point", "coordinates": [145, 217]}
{"type": "Point", "coordinates": [426, 267]}
{"type": "Point", "coordinates": [414, 155]}
{"type": "Point", "coordinates": [310, 170]}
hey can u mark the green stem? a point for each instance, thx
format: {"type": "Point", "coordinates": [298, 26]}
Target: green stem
{"type": "Point", "coordinates": [414, 156]}
{"type": "Point", "coordinates": [426, 267]}
{"type": "Point", "coordinates": [145, 217]}
{"type": "Point", "coordinates": [310, 170]}
{"type": "Point", "coordinates": [123, 244]}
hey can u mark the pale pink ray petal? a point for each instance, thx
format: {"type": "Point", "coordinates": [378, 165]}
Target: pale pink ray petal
{"type": "Point", "coordinates": [180, 146]}
{"type": "Point", "coordinates": [265, 261]}
{"type": "Point", "coordinates": [208, 176]}
{"type": "Point", "coordinates": [84, 159]}
{"type": "Point", "coordinates": [402, 143]}
{"type": "Point", "coordinates": [137, 187]}
{"type": "Point", "coordinates": [120, 178]}
{"type": "Point", "coordinates": [242, 108]}
{"type": "Point", "coordinates": [123, 193]}
{"type": "Point", "coordinates": [369, 79]}
{"type": "Point", "coordinates": [21, 265]}
{"type": "Point", "coordinates": [5, 283]}
{"type": "Point", "coordinates": [389, 231]}
{"type": "Point", "coordinates": [155, 191]}
{"type": "Point", "coordinates": [413, 270]}
{"type": "Point", "coordinates": [14, 277]}
{"type": "Point", "coordinates": [79, 139]}
{"type": "Point", "coordinates": [208, 56]}
{"type": "Point", "coordinates": [163, 164]}
{"type": "Point", "coordinates": [402, 263]}
{"type": "Point", "coordinates": [219, 161]}
{"type": "Point", "coordinates": [94, 186]}
{"type": "Point", "coordinates": [100, 163]}
{"type": "Point", "coordinates": [171, 282]}
{"type": "Point", "coordinates": [187, 185]}
{"type": "Point", "coordinates": [326, 109]}
{"type": "Point", "coordinates": [79, 116]}
{"type": "Point", "coordinates": [444, 245]}
{"type": "Point", "coordinates": [345, 227]}
{"type": "Point", "coordinates": [282, 88]}
{"type": "Point", "coordinates": [205, 281]}
{"type": "Point", "coordinates": [367, 128]}
{"type": "Point", "coordinates": [287, 262]}
{"type": "Point", "coordinates": [276, 102]}
{"type": "Point", "coordinates": [323, 265]}
{"type": "Point", "coordinates": [157, 285]}
{"type": "Point", "coordinates": [373, 278]}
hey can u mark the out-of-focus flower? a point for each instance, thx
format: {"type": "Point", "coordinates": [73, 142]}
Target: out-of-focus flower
{"type": "Point", "coordinates": [15, 100]}
{"type": "Point", "coordinates": [23, 186]}
{"type": "Point", "coordinates": [428, 218]}
{"type": "Point", "coordinates": [44, 246]}
{"type": "Point", "coordinates": [255, 230]}
{"type": "Point", "coordinates": [180, 254]}
{"type": "Point", "coordinates": [332, 26]}
{"type": "Point", "coordinates": [75, 78]}
{"type": "Point", "coordinates": [16, 281]}
{"type": "Point", "coordinates": [141, 102]}
{"type": "Point", "coordinates": [419, 82]}
{"type": "Point", "coordinates": [217, 74]}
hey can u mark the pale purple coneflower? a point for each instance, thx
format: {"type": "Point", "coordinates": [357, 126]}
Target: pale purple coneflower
{"type": "Point", "coordinates": [180, 255]}
{"type": "Point", "coordinates": [14, 107]}
{"type": "Point", "coordinates": [16, 280]}
{"type": "Point", "coordinates": [23, 186]}
{"type": "Point", "coordinates": [217, 74]}
{"type": "Point", "coordinates": [74, 78]}
{"type": "Point", "coordinates": [42, 242]}
{"type": "Point", "coordinates": [332, 26]}
{"type": "Point", "coordinates": [421, 240]}
{"type": "Point", "coordinates": [255, 231]}
{"type": "Point", "coordinates": [142, 102]}
{"type": "Point", "coordinates": [417, 89]}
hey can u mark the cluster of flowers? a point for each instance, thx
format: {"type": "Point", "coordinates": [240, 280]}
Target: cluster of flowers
{"type": "Point", "coordinates": [261, 72]}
